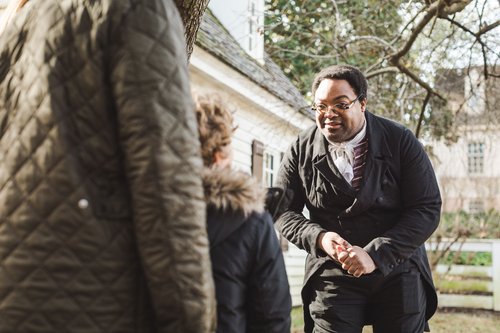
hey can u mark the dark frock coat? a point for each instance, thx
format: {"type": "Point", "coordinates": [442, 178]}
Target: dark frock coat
{"type": "Point", "coordinates": [395, 211]}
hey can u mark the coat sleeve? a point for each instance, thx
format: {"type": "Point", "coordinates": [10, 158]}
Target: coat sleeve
{"type": "Point", "coordinates": [292, 224]}
{"type": "Point", "coordinates": [420, 208]}
{"type": "Point", "coordinates": [157, 131]}
{"type": "Point", "coordinates": [269, 298]}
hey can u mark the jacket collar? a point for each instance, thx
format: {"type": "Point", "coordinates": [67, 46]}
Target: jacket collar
{"type": "Point", "coordinates": [232, 191]}
{"type": "Point", "coordinates": [377, 141]}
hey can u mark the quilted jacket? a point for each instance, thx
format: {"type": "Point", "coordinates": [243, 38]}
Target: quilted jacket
{"type": "Point", "coordinates": [102, 217]}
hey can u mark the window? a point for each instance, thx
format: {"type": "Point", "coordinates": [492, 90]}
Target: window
{"type": "Point", "coordinates": [476, 206]}
{"type": "Point", "coordinates": [257, 159]}
{"type": "Point", "coordinates": [251, 27]}
{"type": "Point", "coordinates": [269, 169]}
{"type": "Point", "coordinates": [475, 157]}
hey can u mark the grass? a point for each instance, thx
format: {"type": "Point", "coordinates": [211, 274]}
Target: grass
{"type": "Point", "coordinates": [462, 286]}
{"type": "Point", "coordinates": [465, 321]}
{"type": "Point", "coordinates": [444, 321]}
{"type": "Point", "coordinates": [297, 320]}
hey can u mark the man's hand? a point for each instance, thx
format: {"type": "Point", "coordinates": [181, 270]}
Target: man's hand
{"type": "Point", "coordinates": [356, 261]}
{"type": "Point", "coordinates": [332, 244]}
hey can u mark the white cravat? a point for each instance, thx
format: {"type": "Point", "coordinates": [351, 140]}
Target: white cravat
{"type": "Point", "coordinates": [343, 154]}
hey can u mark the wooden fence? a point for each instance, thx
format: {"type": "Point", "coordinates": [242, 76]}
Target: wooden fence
{"type": "Point", "coordinates": [295, 260]}
{"type": "Point", "coordinates": [489, 302]}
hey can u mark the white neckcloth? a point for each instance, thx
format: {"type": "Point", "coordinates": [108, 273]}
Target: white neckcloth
{"type": "Point", "coordinates": [343, 154]}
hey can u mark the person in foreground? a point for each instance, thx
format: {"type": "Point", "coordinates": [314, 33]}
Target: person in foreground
{"type": "Point", "coordinates": [373, 201]}
{"type": "Point", "coordinates": [251, 284]}
{"type": "Point", "coordinates": [102, 221]}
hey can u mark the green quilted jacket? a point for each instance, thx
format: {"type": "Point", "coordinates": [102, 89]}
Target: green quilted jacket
{"type": "Point", "coordinates": [102, 218]}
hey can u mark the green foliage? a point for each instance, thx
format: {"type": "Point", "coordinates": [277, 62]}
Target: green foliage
{"type": "Point", "coordinates": [304, 36]}
{"type": "Point", "coordinates": [457, 228]}
{"type": "Point", "coordinates": [466, 225]}
{"type": "Point", "coordinates": [297, 317]}
{"type": "Point", "coordinates": [467, 258]}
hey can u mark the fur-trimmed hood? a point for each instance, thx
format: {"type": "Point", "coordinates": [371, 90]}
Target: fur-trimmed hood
{"type": "Point", "coordinates": [234, 191]}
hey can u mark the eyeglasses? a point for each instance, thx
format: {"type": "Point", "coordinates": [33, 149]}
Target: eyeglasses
{"type": "Point", "coordinates": [337, 108]}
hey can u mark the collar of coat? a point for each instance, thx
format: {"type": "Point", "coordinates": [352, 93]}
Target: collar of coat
{"type": "Point", "coordinates": [377, 142]}
{"type": "Point", "coordinates": [235, 191]}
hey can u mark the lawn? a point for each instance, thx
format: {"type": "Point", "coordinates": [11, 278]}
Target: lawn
{"type": "Point", "coordinates": [444, 321]}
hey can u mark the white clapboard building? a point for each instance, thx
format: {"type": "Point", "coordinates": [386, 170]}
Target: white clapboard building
{"type": "Point", "coordinates": [229, 59]}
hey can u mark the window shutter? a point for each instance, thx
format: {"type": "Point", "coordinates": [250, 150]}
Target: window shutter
{"type": "Point", "coordinates": [257, 159]}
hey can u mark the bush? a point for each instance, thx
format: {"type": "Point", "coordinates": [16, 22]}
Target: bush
{"type": "Point", "coordinates": [457, 228]}
{"type": "Point", "coordinates": [467, 258]}
{"type": "Point", "coordinates": [481, 226]}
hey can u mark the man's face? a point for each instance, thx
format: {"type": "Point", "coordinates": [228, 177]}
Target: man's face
{"type": "Point", "coordinates": [337, 124]}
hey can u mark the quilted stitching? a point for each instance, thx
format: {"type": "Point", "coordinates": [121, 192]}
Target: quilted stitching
{"type": "Point", "coordinates": [70, 268]}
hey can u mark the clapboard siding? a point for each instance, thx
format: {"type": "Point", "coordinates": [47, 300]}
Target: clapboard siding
{"type": "Point", "coordinates": [295, 263]}
{"type": "Point", "coordinates": [258, 114]}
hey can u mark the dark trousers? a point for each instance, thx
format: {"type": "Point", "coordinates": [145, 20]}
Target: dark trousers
{"type": "Point", "coordinates": [341, 303]}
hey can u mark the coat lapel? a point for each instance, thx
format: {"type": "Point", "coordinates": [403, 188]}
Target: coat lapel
{"type": "Point", "coordinates": [324, 164]}
{"type": "Point", "coordinates": [377, 162]}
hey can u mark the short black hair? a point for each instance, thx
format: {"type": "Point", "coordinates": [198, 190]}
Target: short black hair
{"type": "Point", "coordinates": [351, 74]}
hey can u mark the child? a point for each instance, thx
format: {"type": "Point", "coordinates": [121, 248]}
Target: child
{"type": "Point", "coordinates": [252, 288]}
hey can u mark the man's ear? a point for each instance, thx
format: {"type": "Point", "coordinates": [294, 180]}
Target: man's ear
{"type": "Point", "coordinates": [363, 104]}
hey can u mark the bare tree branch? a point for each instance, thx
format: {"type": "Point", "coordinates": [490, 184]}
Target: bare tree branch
{"type": "Point", "coordinates": [487, 28]}
{"type": "Point", "coordinates": [438, 8]}
{"type": "Point", "coordinates": [307, 54]}
{"type": "Point", "coordinates": [381, 71]}
{"type": "Point", "coordinates": [431, 12]}
{"type": "Point", "coordinates": [400, 35]}
{"type": "Point", "coordinates": [418, 80]}
{"type": "Point", "coordinates": [422, 113]}
{"type": "Point", "coordinates": [477, 37]}
{"type": "Point", "coordinates": [355, 39]}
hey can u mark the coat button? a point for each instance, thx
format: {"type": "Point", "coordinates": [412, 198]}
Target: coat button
{"type": "Point", "coordinates": [83, 203]}
{"type": "Point", "coordinates": [391, 266]}
{"type": "Point", "coordinates": [380, 199]}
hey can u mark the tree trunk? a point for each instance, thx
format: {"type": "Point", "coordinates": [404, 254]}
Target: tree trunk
{"type": "Point", "coordinates": [191, 12]}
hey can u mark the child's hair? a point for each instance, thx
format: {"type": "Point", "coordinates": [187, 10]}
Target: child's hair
{"type": "Point", "coordinates": [215, 126]}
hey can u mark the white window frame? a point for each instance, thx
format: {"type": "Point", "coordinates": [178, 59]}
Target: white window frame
{"type": "Point", "coordinates": [270, 165]}
{"type": "Point", "coordinates": [476, 206]}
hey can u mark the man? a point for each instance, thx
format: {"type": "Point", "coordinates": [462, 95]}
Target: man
{"type": "Point", "coordinates": [373, 200]}
{"type": "Point", "coordinates": [102, 218]}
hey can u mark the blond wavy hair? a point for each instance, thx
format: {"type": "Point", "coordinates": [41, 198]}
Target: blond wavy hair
{"type": "Point", "coordinates": [215, 126]}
